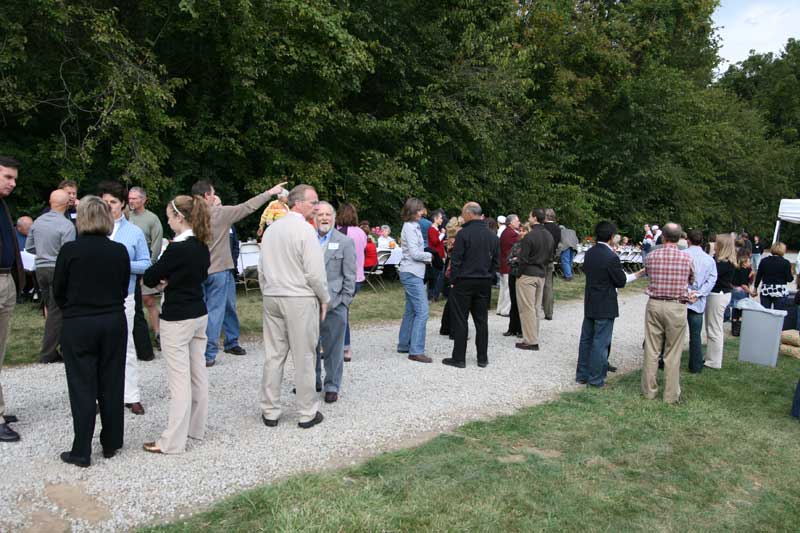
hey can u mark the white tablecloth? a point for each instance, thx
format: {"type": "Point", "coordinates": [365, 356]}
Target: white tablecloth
{"type": "Point", "coordinates": [395, 255]}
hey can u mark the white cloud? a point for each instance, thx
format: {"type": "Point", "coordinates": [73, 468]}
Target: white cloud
{"type": "Point", "coordinates": [761, 26]}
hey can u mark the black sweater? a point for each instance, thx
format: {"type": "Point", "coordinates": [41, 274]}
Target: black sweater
{"type": "Point", "coordinates": [725, 270]}
{"type": "Point", "coordinates": [184, 265]}
{"type": "Point", "coordinates": [774, 270]}
{"type": "Point", "coordinates": [476, 252]}
{"type": "Point", "coordinates": [536, 251]}
{"type": "Point", "coordinates": [91, 277]}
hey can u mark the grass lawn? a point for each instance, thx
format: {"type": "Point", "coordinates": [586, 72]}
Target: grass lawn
{"type": "Point", "coordinates": [27, 323]}
{"type": "Point", "coordinates": [724, 459]}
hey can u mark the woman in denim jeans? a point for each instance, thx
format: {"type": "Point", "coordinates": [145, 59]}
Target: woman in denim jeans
{"type": "Point", "coordinates": [412, 276]}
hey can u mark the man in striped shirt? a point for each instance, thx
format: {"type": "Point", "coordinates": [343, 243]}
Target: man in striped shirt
{"type": "Point", "coordinates": [670, 271]}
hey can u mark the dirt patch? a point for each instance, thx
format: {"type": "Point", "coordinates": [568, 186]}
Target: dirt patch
{"type": "Point", "coordinates": [513, 458]}
{"type": "Point", "coordinates": [77, 502]}
{"type": "Point", "coordinates": [46, 522]}
{"type": "Point", "coordinates": [546, 454]}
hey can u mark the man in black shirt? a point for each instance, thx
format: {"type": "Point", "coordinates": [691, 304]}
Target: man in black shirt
{"type": "Point", "coordinates": [11, 277]}
{"type": "Point", "coordinates": [474, 262]}
{"type": "Point", "coordinates": [536, 251]}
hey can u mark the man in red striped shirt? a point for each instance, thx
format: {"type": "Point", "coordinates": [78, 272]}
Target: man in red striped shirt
{"type": "Point", "coordinates": [670, 271]}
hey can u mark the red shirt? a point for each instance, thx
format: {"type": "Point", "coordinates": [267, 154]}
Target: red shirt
{"type": "Point", "coordinates": [507, 240]}
{"type": "Point", "coordinates": [370, 254]}
{"type": "Point", "coordinates": [434, 242]}
{"type": "Point", "coordinates": [670, 271]}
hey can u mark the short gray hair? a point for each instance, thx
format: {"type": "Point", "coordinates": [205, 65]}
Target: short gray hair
{"type": "Point", "coordinates": [474, 208]}
{"type": "Point", "coordinates": [138, 190]}
{"type": "Point", "coordinates": [671, 232]}
{"type": "Point", "coordinates": [511, 218]}
{"type": "Point", "coordinates": [386, 227]}
{"type": "Point", "coordinates": [323, 203]}
{"type": "Point", "coordinates": [283, 194]}
{"type": "Point", "coordinates": [550, 214]}
{"type": "Point", "coordinates": [298, 194]}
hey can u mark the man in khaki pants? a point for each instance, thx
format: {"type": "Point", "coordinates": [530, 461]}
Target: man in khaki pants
{"type": "Point", "coordinates": [670, 271]}
{"type": "Point", "coordinates": [295, 293]}
{"type": "Point", "coordinates": [536, 251]}
{"type": "Point", "coordinates": [11, 277]}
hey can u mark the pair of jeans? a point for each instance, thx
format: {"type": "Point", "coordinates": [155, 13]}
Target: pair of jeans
{"type": "Point", "coordinates": [347, 326]}
{"type": "Point", "coordinates": [755, 259]}
{"type": "Point", "coordinates": [736, 295]}
{"type": "Point", "coordinates": [470, 296]}
{"type": "Point", "coordinates": [435, 284]}
{"type": "Point", "coordinates": [215, 293]}
{"type": "Point", "coordinates": [230, 323]}
{"type": "Point", "coordinates": [695, 321]}
{"type": "Point", "coordinates": [415, 317]}
{"type": "Point", "coordinates": [593, 350]}
{"type": "Point", "coordinates": [566, 262]}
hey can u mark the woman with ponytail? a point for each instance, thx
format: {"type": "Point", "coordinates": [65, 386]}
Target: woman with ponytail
{"type": "Point", "coordinates": [181, 271]}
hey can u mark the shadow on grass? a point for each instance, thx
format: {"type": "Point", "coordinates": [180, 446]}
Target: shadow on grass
{"type": "Point", "coordinates": [723, 459]}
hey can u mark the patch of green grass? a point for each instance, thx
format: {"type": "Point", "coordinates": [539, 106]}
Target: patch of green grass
{"type": "Point", "coordinates": [25, 335]}
{"type": "Point", "coordinates": [724, 459]}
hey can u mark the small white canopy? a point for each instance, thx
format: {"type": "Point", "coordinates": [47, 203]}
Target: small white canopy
{"type": "Point", "coordinates": [789, 211]}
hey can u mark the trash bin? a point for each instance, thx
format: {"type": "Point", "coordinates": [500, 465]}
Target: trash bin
{"type": "Point", "coordinates": [760, 338]}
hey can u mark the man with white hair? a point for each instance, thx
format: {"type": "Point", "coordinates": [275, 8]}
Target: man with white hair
{"type": "Point", "coordinates": [385, 241]}
{"type": "Point", "coordinates": [340, 268]}
{"type": "Point", "coordinates": [148, 222]}
{"type": "Point", "coordinates": [294, 286]}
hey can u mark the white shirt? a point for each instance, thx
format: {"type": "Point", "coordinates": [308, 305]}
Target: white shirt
{"type": "Point", "coordinates": [501, 230]}
{"type": "Point", "coordinates": [184, 235]}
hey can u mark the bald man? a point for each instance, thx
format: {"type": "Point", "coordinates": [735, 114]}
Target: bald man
{"type": "Point", "coordinates": [48, 234]}
{"type": "Point", "coordinates": [24, 224]}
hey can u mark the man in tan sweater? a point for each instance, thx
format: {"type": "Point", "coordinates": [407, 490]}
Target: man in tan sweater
{"type": "Point", "coordinates": [216, 287]}
{"type": "Point", "coordinates": [294, 286]}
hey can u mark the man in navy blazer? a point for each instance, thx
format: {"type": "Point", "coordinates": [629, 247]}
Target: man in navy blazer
{"type": "Point", "coordinates": [604, 275]}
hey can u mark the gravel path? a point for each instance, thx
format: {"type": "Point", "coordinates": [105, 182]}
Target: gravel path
{"type": "Point", "coordinates": [386, 402]}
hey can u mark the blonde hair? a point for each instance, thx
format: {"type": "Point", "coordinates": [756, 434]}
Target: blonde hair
{"type": "Point", "coordinates": [725, 249]}
{"type": "Point", "coordinates": [94, 217]}
{"type": "Point", "coordinates": [453, 225]}
{"type": "Point", "coordinates": [778, 248]}
{"type": "Point", "coordinates": [195, 211]}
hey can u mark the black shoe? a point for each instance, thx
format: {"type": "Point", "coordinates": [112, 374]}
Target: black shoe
{"type": "Point", "coordinates": [236, 350]}
{"type": "Point", "coordinates": [269, 423]}
{"type": "Point", "coordinates": [581, 381]}
{"type": "Point", "coordinates": [483, 364]}
{"type": "Point", "coordinates": [10, 419]}
{"type": "Point", "coordinates": [524, 346]}
{"type": "Point", "coordinates": [209, 364]}
{"type": "Point", "coordinates": [548, 318]}
{"type": "Point", "coordinates": [452, 362]}
{"type": "Point", "coordinates": [313, 422]}
{"type": "Point", "coordinates": [518, 335]}
{"type": "Point", "coordinates": [7, 434]}
{"type": "Point", "coordinates": [56, 358]}
{"type": "Point", "coordinates": [68, 458]}
{"type": "Point", "coordinates": [612, 368]}
{"type": "Point", "coordinates": [108, 454]}
{"type": "Point", "coordinates": [661, 364]}
{"type": "Point", "coordinates": [601, 386]}
{"type": "Point", "coordinates": [147, 357]}
{"type": "Point", "coordinates": [508, 334]}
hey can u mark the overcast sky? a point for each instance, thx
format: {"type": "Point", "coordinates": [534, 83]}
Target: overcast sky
{"type": "Point", "coordinates": [760, 25]}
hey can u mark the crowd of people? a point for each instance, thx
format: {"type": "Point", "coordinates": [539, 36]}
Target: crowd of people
{"type": "Point", "coordinates": [100, 263]}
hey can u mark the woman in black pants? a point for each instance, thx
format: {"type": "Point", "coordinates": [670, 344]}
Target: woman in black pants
{"type": "Point", "coordinates": [514, 325]}
{"type": "Point", "coordinates": [90, 284]}
{"type": "Point", "coordinates": [774, 272]}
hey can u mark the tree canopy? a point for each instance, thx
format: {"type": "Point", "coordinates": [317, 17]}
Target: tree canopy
{"type": "Point", "coordinates": [597, 108]}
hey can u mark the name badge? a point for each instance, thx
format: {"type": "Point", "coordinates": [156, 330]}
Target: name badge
{"type": "Point", "coordinates": [333, 246]}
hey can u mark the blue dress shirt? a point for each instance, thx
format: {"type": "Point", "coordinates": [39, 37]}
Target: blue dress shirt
{"type": "Point", "coordinates": [133, 238]}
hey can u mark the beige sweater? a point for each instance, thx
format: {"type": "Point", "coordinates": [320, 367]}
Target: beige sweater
{"type": "Point", "coordinates": [222, 218]}
{"type": "Point", "coordinates": [292, 263]}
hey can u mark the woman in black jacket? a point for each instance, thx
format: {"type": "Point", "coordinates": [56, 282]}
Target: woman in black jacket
{"type": "Point", "coordinates": [181, 271]}
{"type": "Point", "coordinates": [90, 284]}
{"type": "Point", "coordinates": [774, 272]}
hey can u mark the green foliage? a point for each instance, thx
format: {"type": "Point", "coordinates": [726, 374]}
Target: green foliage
{"type": "Point", "coordinates": [598, 108]}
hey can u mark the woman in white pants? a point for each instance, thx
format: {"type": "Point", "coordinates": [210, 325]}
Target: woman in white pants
{"type": "Point", "coordinates": [181, 271]}
{"type": "Point", "coordinates": [719, 299]}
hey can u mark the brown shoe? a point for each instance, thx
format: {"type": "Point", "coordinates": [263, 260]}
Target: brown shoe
{"type": "Point", "coordinates": [331, 397]}
{"type": "Point", "coordinates": [151, 447]}
{"type": "Point", "coordinates": [420, 358]}
{"type": "Point", "coordinates": [136, 408]}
